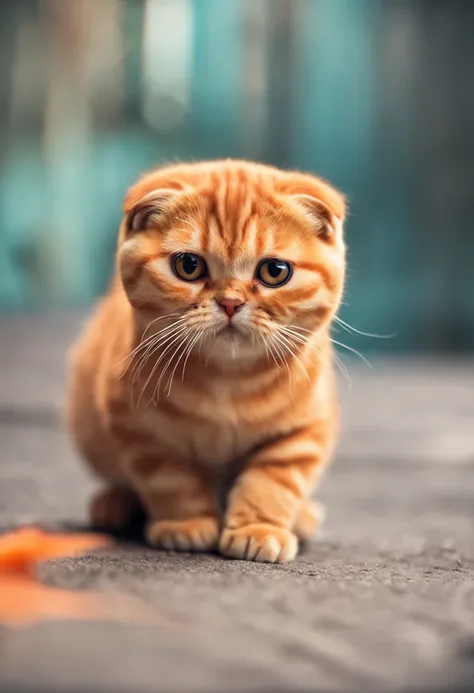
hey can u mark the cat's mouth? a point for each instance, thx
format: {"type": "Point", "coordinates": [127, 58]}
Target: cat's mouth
{"type": "Point", "coordinates": [232, 332]}
{"type": "Point", "coordinates": [229, 331]}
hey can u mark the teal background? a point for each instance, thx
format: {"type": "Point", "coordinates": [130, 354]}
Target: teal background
{"type": "Point", "coordinates": [375, 95]}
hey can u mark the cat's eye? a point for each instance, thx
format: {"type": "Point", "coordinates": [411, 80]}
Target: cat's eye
{"type": "Point", "coordinates": [273, 272]}
{"type": "Point", "coordinates": [188, 266]}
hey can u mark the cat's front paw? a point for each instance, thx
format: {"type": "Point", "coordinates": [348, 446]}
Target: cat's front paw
{"type": "Point", "coordinates": [196, 534]}
{"type": "Point", "coordinates": [259, 542]}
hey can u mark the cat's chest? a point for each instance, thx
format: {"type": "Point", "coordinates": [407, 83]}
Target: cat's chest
{"type": "Point", "coordinates": [221, 444]}
{"type": "Point", "coordinates": [210, 429]}
{"type": "Point", "coordinates": [221, 438]}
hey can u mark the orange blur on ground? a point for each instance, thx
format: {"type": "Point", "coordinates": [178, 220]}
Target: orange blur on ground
{"type": "Point", "coordinates": [23, 598]}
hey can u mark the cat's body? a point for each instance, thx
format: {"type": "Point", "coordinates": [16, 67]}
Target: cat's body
{"type": "Point", "coordinates": [208, 366]}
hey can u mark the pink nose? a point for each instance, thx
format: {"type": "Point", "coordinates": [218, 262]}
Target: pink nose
{"type": "Point", "coordinates": [231, 305]}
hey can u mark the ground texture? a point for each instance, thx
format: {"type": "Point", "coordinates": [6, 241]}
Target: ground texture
{"type": "Point", "coordinates": [383, 600]}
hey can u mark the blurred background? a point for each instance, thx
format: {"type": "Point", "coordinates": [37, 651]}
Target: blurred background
{"type": "Point", "coordinates": [375, 95]}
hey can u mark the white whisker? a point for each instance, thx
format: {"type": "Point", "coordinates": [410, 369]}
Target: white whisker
{"type": "Point", "coordinates": [212, 348]}
{"type": "Point", "coordinates": [189, 352]}
{"type": "Point", "coordinates": [343, 369]}
{"type": "Point", "coordinates": [278, 346]}
{"type": "Point", "coordinates": [174, 338]}
{"type": "Point", "coordinates": [297, 328]}
{"type": "Point", "coordinates": [162, 317]}
{"type": "Point", "coordinates": [185, 351]}
{"type": "Point", "coordinates": [262, 338]}
{"type": "Point", "coordinates": [147, 343]}
{"type": "Point", "coordinates": [182, 341]}
{"type": "Point", "coordinates": [354, 351]}
{"type": "Point", "coordinates": [275, 360]}
{"type": "Point", "coordinates": [290, 345]}
{"type": "Point", "coordinates": [351, 329]}
{"type": "Point", "coordinates": [161, 340]}
{"type": "Point", "coordinates": [299, 338]}
{"type": "Point", "coordinates": [156, 337]}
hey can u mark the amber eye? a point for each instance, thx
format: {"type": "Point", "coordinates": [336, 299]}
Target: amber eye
{"type": "Point", "coordinates": [188, 266]}
{"type": "Point", "coordinates": [273, 272]}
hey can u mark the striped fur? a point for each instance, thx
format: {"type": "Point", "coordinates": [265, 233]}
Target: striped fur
{"type": "Point", "coordinates": [172, 400]}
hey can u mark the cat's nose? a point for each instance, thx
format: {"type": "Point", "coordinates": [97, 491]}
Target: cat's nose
{"type": "Point", "coordinates": [231, 305]}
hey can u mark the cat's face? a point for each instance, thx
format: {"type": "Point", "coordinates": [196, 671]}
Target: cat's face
{"type": "Point", "coordinates": [243, 259]}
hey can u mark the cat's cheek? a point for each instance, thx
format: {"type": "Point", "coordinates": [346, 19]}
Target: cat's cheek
{"type": "Point", "coordinates": [163, 281]}
{"type": "Point", "coordinates": [152, 289]}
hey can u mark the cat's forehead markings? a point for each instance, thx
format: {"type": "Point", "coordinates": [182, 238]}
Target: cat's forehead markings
{"type": "Point", "coordinates": [216, 245]}
{"type": "Point", "coordinates": [240, 268]}
{"type": "Point", "coordinates": [214, 228]}
{"type": "Point", "coordinates": [222, 267]}
{"type": "Point", "coordinates": [264, 239]}
{"type": "Point", "coordinates": [290, 240]}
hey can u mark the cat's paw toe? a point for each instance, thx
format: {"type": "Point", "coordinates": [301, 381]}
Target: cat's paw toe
{"type": "Point", "coordinates": [259, 542]}
{"type": "Point", "coordinates": [196, 534]}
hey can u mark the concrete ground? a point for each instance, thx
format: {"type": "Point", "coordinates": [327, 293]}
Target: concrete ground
{"type": "Point", "coordinates": [382, 600]}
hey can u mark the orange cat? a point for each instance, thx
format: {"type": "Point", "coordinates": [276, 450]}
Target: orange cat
{"type": "Point", "coordinates": [208, 365]}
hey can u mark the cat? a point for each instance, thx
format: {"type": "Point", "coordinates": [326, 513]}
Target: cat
{"type": "Point", "coordinates": [208, 365]}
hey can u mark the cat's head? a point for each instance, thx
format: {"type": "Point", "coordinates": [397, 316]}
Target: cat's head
{"type": "Point", "coordinates": [236, 254]}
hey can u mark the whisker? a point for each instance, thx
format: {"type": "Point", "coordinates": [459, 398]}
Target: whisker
{"type": "Point", "coordinates": [212, 348]}
{"type": "Point", "coordinates": [279, 349]}
{"type": "Point", "coordinates": [150, 324]}
{"type": "Point", "coordinates": [184, 351]}
{"type": "Point", "coordinates": [290, 347]}
{"type": "Point", "coordinates": [351, 329]}
{"type": "Point", "coordinates": [162, 317]}
{"type": "Point", "coordinates": [182, 340]}
{"type": "Point", "coordinates": [170, 380]}
{"type": "Point", "coordinates": [144, 343]}
{"type": "Point", "coordinates": [133, 354]}
{"type": "Point", "coordinates": [189, 352]}
{"type": "Point", "coordinates": [343, 369]}
{"type": "Point", "coordinates": [302, 339]}
{"type": "Point", "coordinates": [201, 344]}
{"type": "Point", "coordinates": [298, 328]}
{"type": "Point", "coordinates": [174, 339]}
{"type": "Point", "coordinates": [275, 359]}
{"type": "Point", "coordinates": [159, 338]}
{"type": "Point", "coordinates": [170, 341]}
{"type": "Point", "coordinates": [354, 351]}
{"type": "Point", "coordinates": [338, 360]}
{"type": "Point", "coordinates": [262, 338]}
{"type": "Point", "coordinates": [160, 341]}
{"type": "Point", "coordinates": [286, 365]}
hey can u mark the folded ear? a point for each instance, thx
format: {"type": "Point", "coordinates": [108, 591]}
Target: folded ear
{"type": "Point", "coordinates": [149, 211]}
{"type": "Point", "coordinates": [153, 196]}
{"type": "Point", "coordinates": [324, 205]}
{"type": "Point", "coordinates": [324, 220]}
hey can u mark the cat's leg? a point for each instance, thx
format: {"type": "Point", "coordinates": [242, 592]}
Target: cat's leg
{"type": "Point", "coordinates": [114, 507]}
{"type": "Point", "coordinates": [180, 502]}
{"type": "Point", "coordinates": [309, 519]}
{"type": "Point", "coordinates": [263, 505]}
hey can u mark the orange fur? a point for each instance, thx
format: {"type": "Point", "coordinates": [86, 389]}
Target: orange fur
{"type": "Point", "coordinates": [174, 396]}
